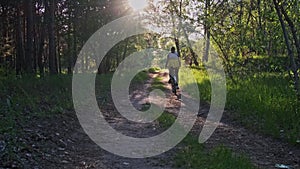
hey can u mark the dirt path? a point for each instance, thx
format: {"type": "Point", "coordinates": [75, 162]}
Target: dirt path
{"type": "Point", "coordinates": [263, 151]}
{"type": "Point", "coordinates": [139, 98]}
{"type": "Point", "coordinates": [60, 142]}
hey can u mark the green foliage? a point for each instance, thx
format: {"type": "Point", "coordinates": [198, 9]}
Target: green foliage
{"type": "Point", "coordinates": [251, 65]}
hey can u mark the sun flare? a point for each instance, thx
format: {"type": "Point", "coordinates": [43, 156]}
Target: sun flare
{"type": "Point", "coordinates": [138, 4]}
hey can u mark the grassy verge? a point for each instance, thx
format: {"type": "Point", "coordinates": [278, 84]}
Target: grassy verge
{"type": "Point", "coordinates": [140, 77]}
{"type": "Point", "coordinates": [27, 99]}
{"type": "Point", "coordinates": [193, 154]}
{"type": "Point", "coordinates": [264, 102]}
{"type": "Point", "coordinates": [35, 96]}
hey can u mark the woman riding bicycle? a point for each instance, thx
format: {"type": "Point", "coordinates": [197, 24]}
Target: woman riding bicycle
{"type": "Point", "coordinates": [173, 64]}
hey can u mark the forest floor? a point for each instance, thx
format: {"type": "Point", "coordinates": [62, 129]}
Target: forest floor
{"type": "Point", "coordinates": [60, 142]}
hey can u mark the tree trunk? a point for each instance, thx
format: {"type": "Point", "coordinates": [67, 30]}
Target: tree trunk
{"type": "Point", "coordinates": [41, 49]}
{"type": "Point", "coordinates": [225, 59]}
{"type": "Point", "coordinates": [4, 32]}
{"type": "Point", "coordinates": [177, 47]}
{"type": "Point", "coordinates": [293, 30]}
{"type": "Point", "coordinates": [35, 38]}
{"type": "Point", "coordinates": [19, 42]}
{"type": "Point", "coordinates": [289, 49]}
{"type": "Point", "coordinates": [125, 48]}
{"type": "Point", "coordinates": [51, 32]}
{"type": "Point", "coordinates": [74, 45]}
{"type": "Point", "coordinates": [194, 56]}
{"type": "Point", "coordinates": [58, 55]}
{"type": "Point", "coordinates": [259, 14]}
{"type": "Point", "coordinates": [71, 47]}
{"type": "Point", "coordinates": [29, 36]}
{"type": "Point", "coordinates": [178, 13]}
{"type": "Point", "coordinates": [206, 31]}
{"type": "Point", "coordinates": [69, 53]}
{"type": "Point", "coordinates": [207, 46]}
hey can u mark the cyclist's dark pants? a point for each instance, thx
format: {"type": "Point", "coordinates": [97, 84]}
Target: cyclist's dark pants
{"type": "Point", "coordinates": [174, 72]}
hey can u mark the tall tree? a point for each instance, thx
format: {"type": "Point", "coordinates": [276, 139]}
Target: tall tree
{"type": "Point", "coordinates": [42, 37]}
{"type": "Point", "coordinates": [206, 30]}
{"type": "Point", "coordinates": [294, 66]}
{"type": "Point", "coordinates": [19, 41]}
{"type": "Point", "coordinates": [51, 33]}
{"type": "Point", "coordinates": [29, 36]}
{"type": "Point", "coordinates": [292, 28]}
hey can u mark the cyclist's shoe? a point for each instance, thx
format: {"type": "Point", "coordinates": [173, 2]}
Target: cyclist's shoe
{"type": "Point", "coordinates": [174, 91]}
{"type": "Point", "coordinates": [176, 84]}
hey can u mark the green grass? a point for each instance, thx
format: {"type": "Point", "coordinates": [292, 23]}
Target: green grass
{"type": "Point", "coordinates": [269, 101]}
{"type": "Point", "coordinates": [193, 155]}
{"type": "Point", "coordinates": [166, 120]}
{"type": "Point", "coordinates": [157, 84]}
{"type": "Point", "coordinates": [153, 70]}
{"type": "Point", "coordinates": [263, 102]}
{"type": "Point", "coordinates": [32, 96]}
{"type": "Point", "coordinates": [22, 100]}
{"type": "Point", "coordinates": [140, 77]}
{"type": "Point", "coordinates": [201, 79]}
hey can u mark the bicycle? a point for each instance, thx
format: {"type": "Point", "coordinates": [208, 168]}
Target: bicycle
{"type": "Point", "coordinates": [173, 81]}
